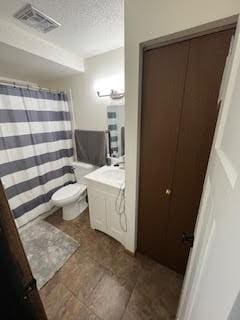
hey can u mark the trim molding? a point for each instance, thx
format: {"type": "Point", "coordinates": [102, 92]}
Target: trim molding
{"type": "Point", "coordinates": [201, 30]}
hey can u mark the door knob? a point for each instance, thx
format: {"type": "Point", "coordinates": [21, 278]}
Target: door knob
{"type": "Point", "coordinates": [168, 192]}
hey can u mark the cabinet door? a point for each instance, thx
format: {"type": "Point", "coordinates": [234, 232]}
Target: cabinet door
{"type": "Point", "coordinates": [97, 206]}
{"type": "Point", "coordinates": [113, 219]}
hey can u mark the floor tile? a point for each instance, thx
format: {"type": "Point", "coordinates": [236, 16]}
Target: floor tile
{"type": "Point", "coordinates": [109, 299]}
{"type": "Point", "coordinates": [55, 218]}
{"type": "Point", "coordinates": [171, 295]}
{"type": "Point", "coordinates": [127, 268]}
{"type": "Point", "coordinates": [141, 307]}
{"type": "Point", "coordinates": [104, 251]}
{"type": "Point", "coordinates": [80, 275]}
{"type": "Point", "coordinates": [156, 280]}
{"type": "Point", "coordinates": [73, 228]}
{"type": "Point", "coordinates": [102, 280]}
{"type": "Point", "coordinates": [60, 303]}
{"type": "Point", "coordinates": [146, 262]}
{"type": "Point", "coordinates": [161, 284]}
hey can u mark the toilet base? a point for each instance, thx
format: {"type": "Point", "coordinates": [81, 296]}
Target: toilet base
{"type": "Point", "coordinates": [73, 210]}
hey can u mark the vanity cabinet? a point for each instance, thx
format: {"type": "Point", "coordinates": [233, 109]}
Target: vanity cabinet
{"type": "Point", "coordinates": [103, 215]}
{"type": "Point", "coordinates": [104, 186]}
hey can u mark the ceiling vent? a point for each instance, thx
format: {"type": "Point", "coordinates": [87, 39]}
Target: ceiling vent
{"type": "Point", "coordinates": [36, 19]}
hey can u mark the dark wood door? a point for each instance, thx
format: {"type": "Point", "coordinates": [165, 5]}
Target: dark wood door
{"type": "Point", "coordinates": [20, 298]}
{"type": "Point", "coordinates": [163, 88]}
{"type": "Point", "coordinates": [161, 227]}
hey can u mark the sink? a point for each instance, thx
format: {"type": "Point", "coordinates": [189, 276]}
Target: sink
{"type": "Point", "coordinates": [107, 176]}
{"type": "Point", "coordinates": [114, 174]}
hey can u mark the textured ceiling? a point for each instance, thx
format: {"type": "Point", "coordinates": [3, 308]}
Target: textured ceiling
{"type": "Point", "coordinates": [89, 27]}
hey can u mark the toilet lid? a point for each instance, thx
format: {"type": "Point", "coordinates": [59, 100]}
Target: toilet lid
{"type": "Point", "coordinates": [69, 191]}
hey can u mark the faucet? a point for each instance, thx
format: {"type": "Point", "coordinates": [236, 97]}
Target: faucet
{"type": "Point", "coordinates": [121, 163]}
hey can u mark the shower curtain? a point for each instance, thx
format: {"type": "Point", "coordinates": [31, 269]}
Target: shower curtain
{"type": "Point", "coordinates": [36, 149]}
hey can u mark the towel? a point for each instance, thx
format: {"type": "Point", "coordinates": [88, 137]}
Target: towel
{"type": "Point", "coordinates": [91, 147]}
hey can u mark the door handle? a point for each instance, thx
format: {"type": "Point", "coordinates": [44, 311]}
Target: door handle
{"type": "Point", "coordinates": [188, 239]}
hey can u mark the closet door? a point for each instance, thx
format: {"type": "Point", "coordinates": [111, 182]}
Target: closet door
{"type": "Point", "coordinates": [181, 84]}
{"type": "Point", "coordinates": [163, 87]}
{"type": "Point", "coordinates": [207, 58]}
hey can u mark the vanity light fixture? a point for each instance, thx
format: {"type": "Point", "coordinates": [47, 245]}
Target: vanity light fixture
{"type": "Point", "coordinates": [113, 94]}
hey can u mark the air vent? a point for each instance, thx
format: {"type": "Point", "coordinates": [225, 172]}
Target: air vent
{"type": "Point", "coordinates": [36, 19]}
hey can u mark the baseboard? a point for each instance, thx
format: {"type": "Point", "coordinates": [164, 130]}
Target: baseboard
{"type": "Point", "coordinates": [130, 253]}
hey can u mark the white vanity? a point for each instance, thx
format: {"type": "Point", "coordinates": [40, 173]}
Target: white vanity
{"type": "Point", "coordinates": [105, 192]}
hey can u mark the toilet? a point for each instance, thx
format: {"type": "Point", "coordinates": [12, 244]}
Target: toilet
{"type": "Point", "coordinates": [72, 198]}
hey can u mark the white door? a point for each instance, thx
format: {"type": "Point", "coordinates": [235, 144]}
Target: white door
{"type": "Point", "coordinates": [212, 281]}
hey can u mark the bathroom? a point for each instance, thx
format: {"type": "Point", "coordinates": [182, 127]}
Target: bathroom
{"type": "Point", "coordinates": [63, 165]}
{"type": "Point", "coordinates": [112, 198]}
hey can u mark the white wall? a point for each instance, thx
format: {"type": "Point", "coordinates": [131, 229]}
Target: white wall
{"type": "Point", "coordinates": [104, 70]}
{"type": "Point", "coordinates": [14, 36]}
{"type": "Point", "coordinates": [145, 20]}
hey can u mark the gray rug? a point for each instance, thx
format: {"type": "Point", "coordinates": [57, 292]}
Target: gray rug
{"type": "Point", "coordinates": [47, 249]}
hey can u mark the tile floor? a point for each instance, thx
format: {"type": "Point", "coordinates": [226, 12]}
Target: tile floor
{"type": "Point", "coordinates": [101, 281]}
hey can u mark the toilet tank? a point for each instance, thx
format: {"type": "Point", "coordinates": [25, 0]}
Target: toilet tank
{"type": "Point", "coordinates": [81, 169]}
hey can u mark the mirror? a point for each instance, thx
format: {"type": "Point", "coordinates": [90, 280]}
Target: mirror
{"type": "Point", "coordinates": [116, 129]}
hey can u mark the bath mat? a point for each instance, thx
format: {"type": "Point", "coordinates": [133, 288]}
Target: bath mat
{"type": "Point", "coordinates": [47, 249]}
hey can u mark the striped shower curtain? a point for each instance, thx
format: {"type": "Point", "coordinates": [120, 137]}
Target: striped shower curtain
{"type": "Point", "coordinates": [36, 149]}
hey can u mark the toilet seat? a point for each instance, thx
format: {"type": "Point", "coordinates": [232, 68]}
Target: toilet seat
{"type": "Point", "coordinates": [68, 194]}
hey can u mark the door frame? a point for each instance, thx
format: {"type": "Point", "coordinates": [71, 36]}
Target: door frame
{"type": "Point", "coordinates": [29, 292]}
{"type": "Point", "coordinates": [201, 30]}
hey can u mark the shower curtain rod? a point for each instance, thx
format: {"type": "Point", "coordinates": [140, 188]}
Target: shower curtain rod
{"type": "Point", "coordinates": [29, 86]}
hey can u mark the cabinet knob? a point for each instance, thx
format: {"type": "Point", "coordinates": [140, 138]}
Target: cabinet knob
{"type": "Point", "coordinates": [168, 192]}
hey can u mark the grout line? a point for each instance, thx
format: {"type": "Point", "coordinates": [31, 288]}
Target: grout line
{"type": "Point", "coordinates": [81, 301]}
{"type": "Point", "coordinates": [106, 270]}
{"type": "Point", "coordinates": [129, 300]}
